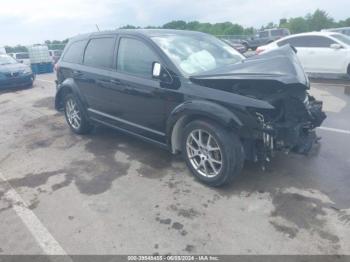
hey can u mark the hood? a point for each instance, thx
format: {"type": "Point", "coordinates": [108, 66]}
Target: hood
{"type": "Point", "coordinates": [280, 64]}
{"type": "Point", "coordinates": [12, 68]}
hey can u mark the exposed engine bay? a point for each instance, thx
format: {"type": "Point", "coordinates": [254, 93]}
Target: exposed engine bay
{"type": "Point", "coordinates": [287, 120]}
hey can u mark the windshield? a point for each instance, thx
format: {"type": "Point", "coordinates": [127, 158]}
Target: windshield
{"type": "Point", "coordinates": [197, 53]}
{"type": "Point", "coordinates": [6, 60]}
{"type": "Point", "coordinates": [22, 56]}
{"type": "Point", "coordinates": [342, 38]}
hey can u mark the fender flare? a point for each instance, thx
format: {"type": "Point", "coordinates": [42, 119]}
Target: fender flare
{"type": "Point", "coordinates": [70, 86]}
{"type": "Point", "coordinates": [198, 109]}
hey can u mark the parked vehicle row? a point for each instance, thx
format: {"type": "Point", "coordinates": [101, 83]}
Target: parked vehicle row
{"type": "Point", "coordinates": [23, 57]}
{"type": "Point", "coordinates": [318, 52]}
{"type": "Point", "coordinates": [191, 93]}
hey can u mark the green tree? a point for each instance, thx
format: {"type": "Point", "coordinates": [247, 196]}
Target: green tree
{"type": "Point", "coordinates": [179, 24]}
{"type": "Point", "coordinates": [297, 25]}
{"type": "Point", "coordinates": [319, 20]}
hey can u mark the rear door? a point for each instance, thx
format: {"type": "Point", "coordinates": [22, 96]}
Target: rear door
{"type": "Point", "coordinates": [94, 75]}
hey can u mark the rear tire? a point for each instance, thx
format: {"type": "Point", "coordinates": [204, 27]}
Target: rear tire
{"type": "Point", "coordinates": [75, 115]}
{"type": "Point", "coordinates": [215, 163]}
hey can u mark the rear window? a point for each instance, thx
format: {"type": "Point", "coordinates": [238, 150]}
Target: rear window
{"type": "Point", "coordinates": [22, 56]}
{"type": "Point", "coordinates": [75, 52]}
{"type": "Point", "coordinates": [99, 52]}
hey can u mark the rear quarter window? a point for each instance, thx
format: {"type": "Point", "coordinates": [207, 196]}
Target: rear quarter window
{"type": "Point", "coordinates": [75, 52]}
{"type": "Point", "coordinates": [99, 52]}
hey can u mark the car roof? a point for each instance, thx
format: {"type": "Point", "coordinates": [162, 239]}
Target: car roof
{"type": "Point", "coordinates": [140, 32]}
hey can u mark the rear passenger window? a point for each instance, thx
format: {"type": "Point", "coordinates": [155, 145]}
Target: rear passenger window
{"type": "Point", "coordinates": [99, 53]}
{"type": "Point", "coordinates": [75, 52]}
{"type": "Point", "coordinates": [135, 58]}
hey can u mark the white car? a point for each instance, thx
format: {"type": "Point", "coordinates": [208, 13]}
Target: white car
{"type": "Point", "coordinates": [22, 57]}
{"type": "Point", "coordinates": [318, 52]}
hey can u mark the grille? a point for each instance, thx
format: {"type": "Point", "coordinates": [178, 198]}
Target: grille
{"type": "Point", "coordinates": [12, 74]}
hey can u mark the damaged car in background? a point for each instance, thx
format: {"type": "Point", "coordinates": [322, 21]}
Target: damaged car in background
{"type": "Point", "coordinates": [191, 93]}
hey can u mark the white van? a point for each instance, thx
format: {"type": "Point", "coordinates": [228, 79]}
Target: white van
{"type": "Point", "coordinates": [22, 57]}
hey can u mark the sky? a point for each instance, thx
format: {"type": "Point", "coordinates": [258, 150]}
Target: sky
{"type": "Point", "coordinates": [34, 21]}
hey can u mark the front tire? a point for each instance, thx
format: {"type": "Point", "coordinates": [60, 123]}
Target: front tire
{"type": "Point", "coordinates": [75, 115]}
{"type": "Point", "coordinates": [213, 154]}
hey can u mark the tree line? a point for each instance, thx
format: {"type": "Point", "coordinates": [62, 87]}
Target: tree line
{"type": "Point", "coordinates": [315, 21]}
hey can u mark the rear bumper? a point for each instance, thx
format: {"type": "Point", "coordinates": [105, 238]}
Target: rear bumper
{"type": "Point", "coordinates": [17, 81]}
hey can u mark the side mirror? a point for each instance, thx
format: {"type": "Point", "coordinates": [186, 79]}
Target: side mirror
{"type": "Point", "coordinates": [336, 46]}
{"type": "Point", "coordinates": [161, 73]}
{"type": "Point", "coordinates": [156, 69]}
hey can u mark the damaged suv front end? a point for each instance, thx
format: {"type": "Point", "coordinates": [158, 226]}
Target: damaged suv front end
{"type": "Point", "coordinates": [278, 79]}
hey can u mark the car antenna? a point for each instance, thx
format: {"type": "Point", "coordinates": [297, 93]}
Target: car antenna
{"type": "Point", "coordinates": [98, 29]}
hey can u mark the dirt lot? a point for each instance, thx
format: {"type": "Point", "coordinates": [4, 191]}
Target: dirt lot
{"type": "Point", "coordinates": [107, 193]}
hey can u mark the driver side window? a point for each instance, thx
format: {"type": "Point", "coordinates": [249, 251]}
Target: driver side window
{"type": "Point", "coordinates": [135, 58]}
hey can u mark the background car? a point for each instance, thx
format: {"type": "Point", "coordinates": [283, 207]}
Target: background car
{"type": "Point", "coordinates": [318, 52]}
{"type": "Point", "coordinates": [55, 55]}
{"type": "Point", "coordinates": [236, 45]}
{"type": "Point", "coordinates": [13, 73]}
{"type": "Point", "coordinates": [22, 57]}
{"type": "Point", "coordinates": [341, 30]}
{"type": "Point", "coordinates": [264, 37]}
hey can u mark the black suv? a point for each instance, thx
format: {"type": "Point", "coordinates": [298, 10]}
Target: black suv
{"type": "Point", "coordinates": [265, 37]}
{"type": "Point", "coordinates": [191, 93]}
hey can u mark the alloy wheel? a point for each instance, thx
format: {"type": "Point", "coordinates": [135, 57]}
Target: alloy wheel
{"type": "Point", "coordinates": [73, 113]}
{"type": "Point", "coordinates": [204, 153]}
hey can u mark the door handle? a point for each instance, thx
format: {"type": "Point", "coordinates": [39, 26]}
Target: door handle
{"type": "Point", "coordinates": [115, 81]}
{"type": "Point", "coordinates": [77, 73]}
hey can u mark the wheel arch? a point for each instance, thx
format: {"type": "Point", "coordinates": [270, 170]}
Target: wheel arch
{"type": "Point", "coordinates": [196, 110]}
{"type": "Point", "coordinates": [67, 86]}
